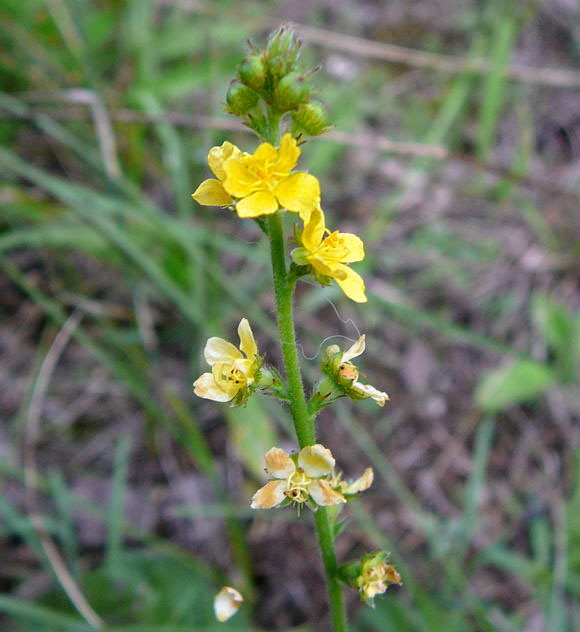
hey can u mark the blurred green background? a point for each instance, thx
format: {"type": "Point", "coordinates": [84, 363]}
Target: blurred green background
{"type": "Point", "coordinates": [461, 175]}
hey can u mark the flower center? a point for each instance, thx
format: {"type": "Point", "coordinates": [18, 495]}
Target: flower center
{"type": "Point", "coordinates": [230, 374]}
{"type": "Point", "coordinates": [297, 486]}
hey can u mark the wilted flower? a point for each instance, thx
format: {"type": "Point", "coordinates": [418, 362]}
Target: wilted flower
{"type": "Point", "coordinates": [375, 576]}
{"type": "Point", "coordinates": [226, 603]}
{"type": "Point", "coordinates": [360, 484]}
{"type": "Point", "coordinates": [302, 478]}
{"type": "Point", "coordinates": [344, 374]}
{"type": "Point", "coordinates": [328, 253]}
{"type": "Point", "coordinates": [233, 371]}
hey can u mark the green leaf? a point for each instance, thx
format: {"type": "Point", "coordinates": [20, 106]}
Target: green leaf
{"type": "Point", "coordinates": [516, 382]}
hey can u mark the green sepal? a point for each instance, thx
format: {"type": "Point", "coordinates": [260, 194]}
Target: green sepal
{"type": "Point", "coordinates": [325, 393]}
{"type": "Point", "coordinates": [338, 528]}
{"type": "Point", "coordinates": [278, 387]}
{"type": "Point", "coordinates": [252, 72]}
{"type": "Point", "coordinates": [240, 99]}
{"type": "Point", "coordinates": [290, 92]}
{"type": "Point", "coordinates": [347, 573]}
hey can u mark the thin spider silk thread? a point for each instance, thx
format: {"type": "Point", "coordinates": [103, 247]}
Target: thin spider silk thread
{"type": "Point", "coordinates": [345, 322]}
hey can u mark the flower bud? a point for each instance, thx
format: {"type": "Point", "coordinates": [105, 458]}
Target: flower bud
{"type": "Point", "coordinates": [252, 72]}
{"type": "Point", "coordinates": [291, 91]}
{"type": "Point", "coordinates": [311, 118]}
{"type": "Point", "coordinates": [283, 44]}
{"type": "Point", "coordinates": [240, 99]}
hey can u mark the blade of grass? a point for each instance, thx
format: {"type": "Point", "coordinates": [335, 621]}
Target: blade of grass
{"type": "Point", "coordinates": [116, 509]}
{"type": "Point", "coordinates": [495, 82]}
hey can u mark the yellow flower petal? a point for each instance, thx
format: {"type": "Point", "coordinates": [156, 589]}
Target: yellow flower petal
{"type": "Point", "coordinates": [313, 230]}
{"type": "Point", "coordinates": [247, 341]}
{"type": "Point", "coordinates": [355, 350]}
{"type": "Point", "coordinates": [205, 386]}
{"type": "Point", "coordinates": [265, 153]}
{"type": "Point", "coordinates": [355, 247]}
{"type": "Point", "coordinates": [218, 350]}
{"type": "Point", "coordinates": [323, 494]}
{"type": "Point", "coordinates": [316, 460]}
{"type": "Point", "coordinates": [226, 603]}
{"type": "Point", "coordinates": [256, 204]}
{"type": "Point", "coordinates": [269, 496]}
{"type": "Point", "coordinates": [362, 483]}
{"type": "Point", "coordinates": [351, 284]}
{"type": "Point", "coordinates": [240, 181]}
{"type": "Point", "coordinates": [212, 193]}
{"type": "Point", "coordinates": [279, 464]}
{"type": "Point", "coordinates": [287, 154]}
{"type": "Point", "coordinates": [299, 192]}
{"type": "Point", "coordinates": [217, 157]}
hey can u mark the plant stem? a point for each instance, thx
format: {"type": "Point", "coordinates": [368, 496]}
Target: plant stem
{"type": "Point", "coordinates": [326, 542]}
{"type": "Point", "coordinates": [303, 421]}
{"type": "Point", "coordinates": [283, 292]}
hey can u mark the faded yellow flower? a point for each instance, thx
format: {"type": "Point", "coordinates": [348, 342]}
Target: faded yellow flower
{"type": "Point", "coordinates": [262, 182]}
{"type": "Point", "coordinates": [340, 368]}
{"type": "Point", "coordinates": [328, 253]}
{"type": "Point", "coordinates": [375, 576]}
{"type": "Point", "coordinates": [233, 371]}
{"type": "Point", "coordinates": [302, 478]}
{"type": "Point", "coordinates": [212, 192]}
{"type": "Point", "coordinates": [360, 484]}
{"type": "Point", "coordinates": [226, 603]}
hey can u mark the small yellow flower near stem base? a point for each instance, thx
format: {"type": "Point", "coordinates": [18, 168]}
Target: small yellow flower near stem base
{"type": "Point", "coordinates": [226, 603]}
{"type": "Point", "coordinates": [327, 253]}
{"type": "Point", "coordinates": [305, 478]}
{"type": "Point", "coordinates": [234, 372]}
{"type": "Point", "coordinates": [344, 374]}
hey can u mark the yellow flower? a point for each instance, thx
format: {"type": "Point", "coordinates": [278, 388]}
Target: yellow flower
{"type": "Point", "coordinates": [211, 192]}
{"type": "Point", "coordinates": [226, 603]}
{"type": "Point", "coordinates": [302, 478]}
{"type": "Point", "coordinates": [375, 576]}
{"type": "Point", "coordinates": [328, 253]}
{"type": "Point", "coordinates": [233, 372]}
{"type": "Point", "coordinates": [339, 367]}
{"type": "Point", "coordinates": [262, 182]}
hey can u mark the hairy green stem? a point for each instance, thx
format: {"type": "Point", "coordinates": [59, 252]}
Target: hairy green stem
{"type": "Point", "coordinates": [284, 284]}
{"type": "Point", "coordinates": [303, 421]}
{"type": "Point", "coordinates": [283, 292]}
{"type": "Point", "coordinates": [326, 542]}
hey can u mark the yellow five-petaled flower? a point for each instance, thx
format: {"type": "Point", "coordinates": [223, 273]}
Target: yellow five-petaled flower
{"type": "Point", "coordinates": [260, 183]}
{"type": "Point", "coordinates": [328, 252]}
{"type": "Point", "coordinates": [305, 478]}
{"type": "Point", "coordinates": [233, 371]}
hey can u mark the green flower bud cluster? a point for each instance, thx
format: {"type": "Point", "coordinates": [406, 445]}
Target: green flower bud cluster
{"type": "Point", "coordinates": [273, 81]}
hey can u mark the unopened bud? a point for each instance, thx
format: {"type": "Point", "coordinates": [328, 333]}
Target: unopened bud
{"type": "Point", "coordinates": [240, 99]}
{"type": "Point", "coordinates": [291, 91]}
{"type": "Point", "coordinates": [311, 118]}
{"type": "Point", "coordinates": [252, 72]}
{"type": "Point", "coordinates": [282, 43]}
